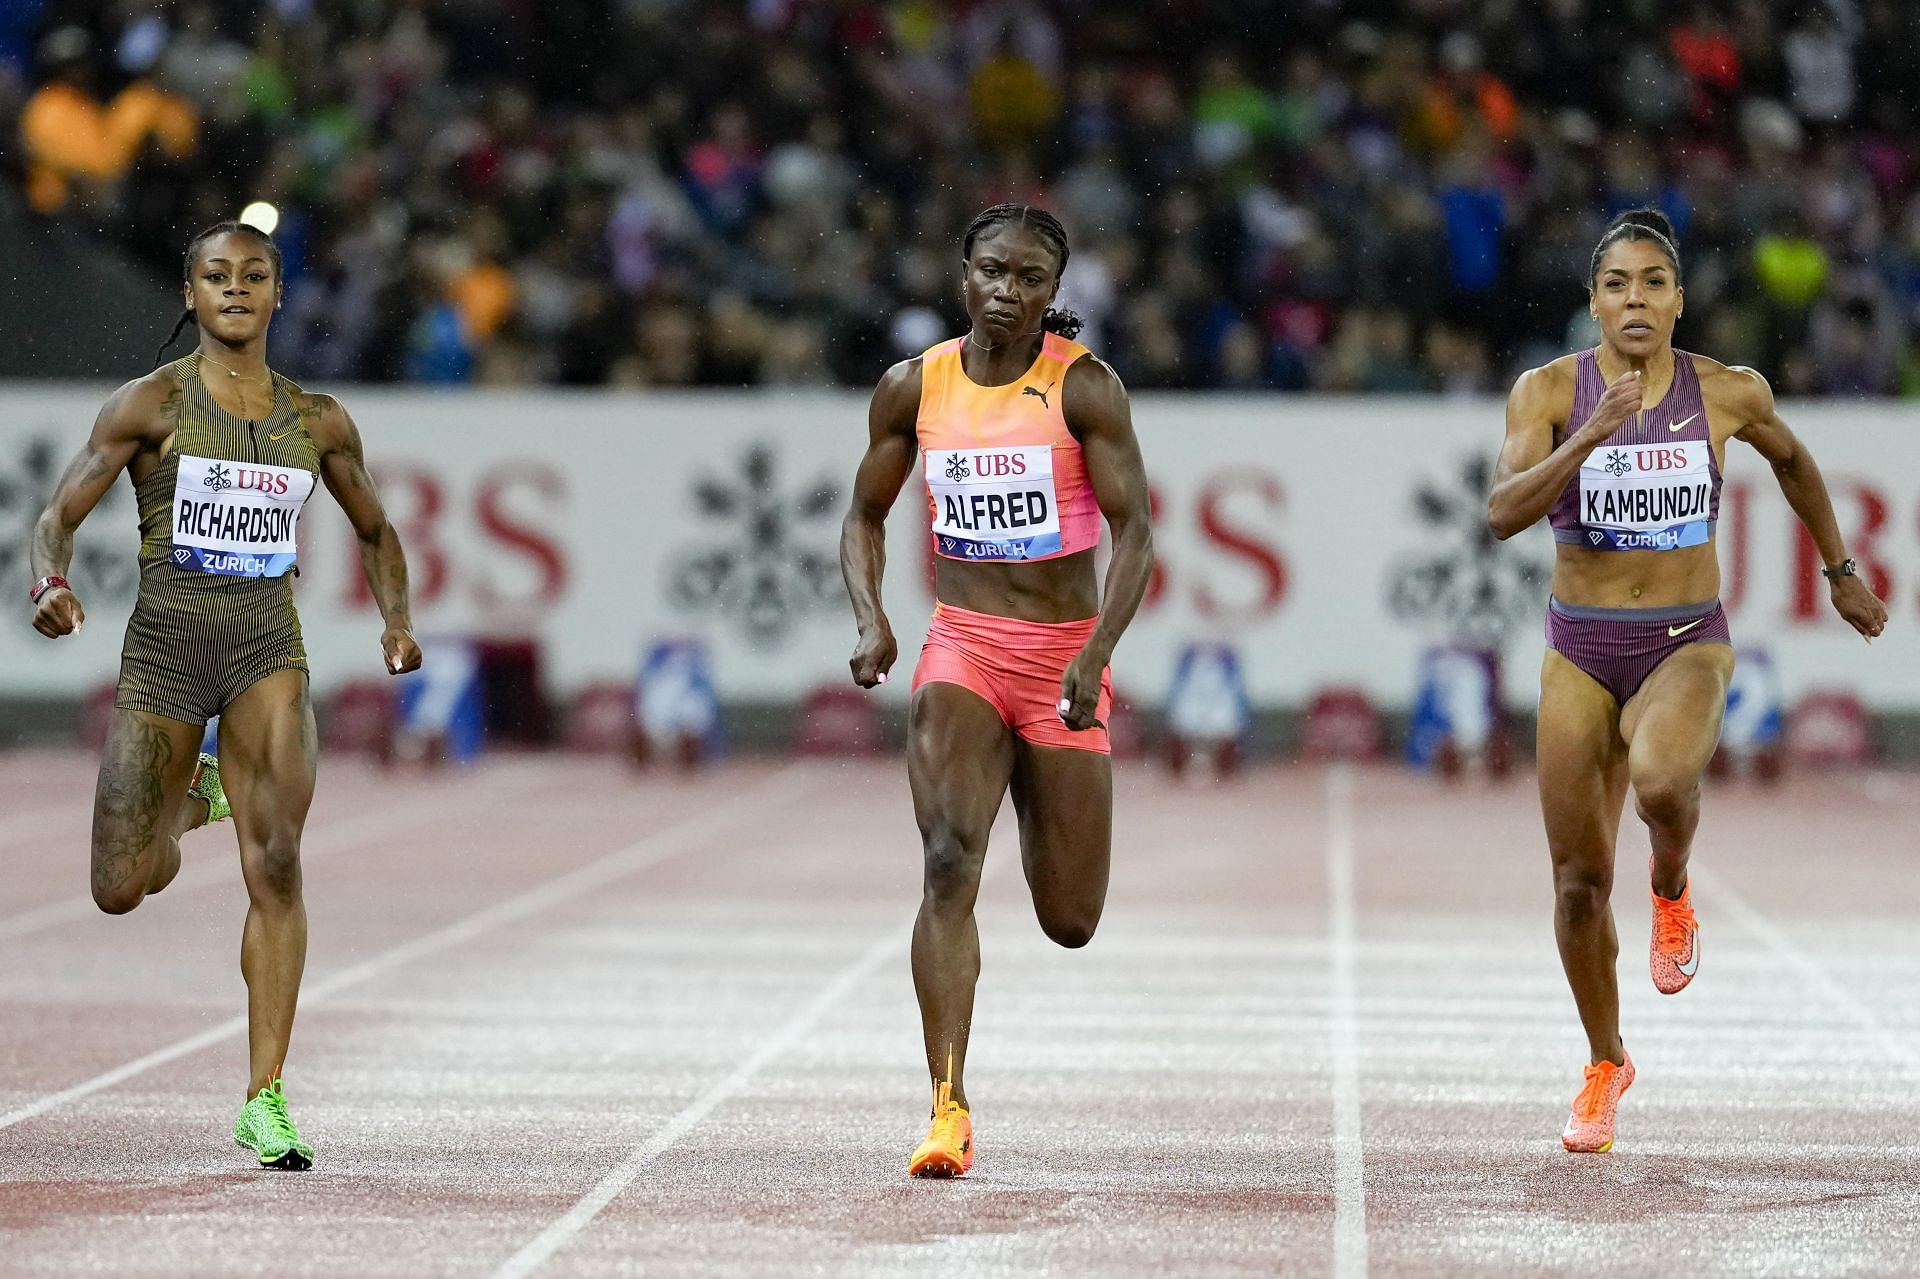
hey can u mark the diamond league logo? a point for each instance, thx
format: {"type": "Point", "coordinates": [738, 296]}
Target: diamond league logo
{"type": "Point", "coordinates": [766, 555]}
{"type": "Point", "coordinates": [1472, 585]}
{"type": "Point", "coordinates": [103, 568]}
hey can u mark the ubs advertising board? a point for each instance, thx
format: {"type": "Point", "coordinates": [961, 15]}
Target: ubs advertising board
{"type": "Point", "coordinates": [1330, 542]}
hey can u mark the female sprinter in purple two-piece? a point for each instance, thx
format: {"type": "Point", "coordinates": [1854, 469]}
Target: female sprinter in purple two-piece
{"type": "Point", "coordinates": [223, 452]}
{"type": "Point", "coordinates": [1620, 447]}
{"type": "Point", "coordinates": [1028, 442]}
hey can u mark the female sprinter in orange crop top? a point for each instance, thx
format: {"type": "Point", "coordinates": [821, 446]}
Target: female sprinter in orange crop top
{"type": "Point", "coordinates": [1028, 441]}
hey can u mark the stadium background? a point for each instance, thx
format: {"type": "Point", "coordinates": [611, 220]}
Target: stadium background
{"type": "Point", "coordinates": [604, 285]}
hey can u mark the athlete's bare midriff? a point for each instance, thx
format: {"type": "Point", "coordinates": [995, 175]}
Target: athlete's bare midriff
{"type": "Point", "coordinates": [1057, 590]}
{"type": "Point", "coordinates": [1635, 579]}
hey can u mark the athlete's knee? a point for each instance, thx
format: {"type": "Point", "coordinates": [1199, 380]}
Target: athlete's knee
{"type": "Point", "coordinates": [953, 865]}
{"type": "Point", "coordinates": [1664, 796]}
{"type": "Point", "coordinates": [1072, 929]}
{"type": "Point", "coordinates": [117, 898]}
{"type": "Point", "coordinates": [1581, 893]}
{"type": "Point", "coordinates": [118, 863]}
{"type": "Point", "coordinates": [274, 870]}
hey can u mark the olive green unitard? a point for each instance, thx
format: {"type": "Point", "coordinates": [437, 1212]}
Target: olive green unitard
{"type": "Point", "coordinates": [198, 639]}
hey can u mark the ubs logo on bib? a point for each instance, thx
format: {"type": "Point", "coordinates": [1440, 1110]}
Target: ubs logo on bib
{"type": "Point", "coordinates": [957, 468]}
{"type": "Point", "coordinates": [1618, 463]}
{"type": "Point", "coordinates": [217, 478]}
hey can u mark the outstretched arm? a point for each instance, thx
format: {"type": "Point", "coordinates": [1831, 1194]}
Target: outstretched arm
{"type": "Point", "coordinates": [1806, 492]}
{"type": "Point", "coordinates": [343, 466]}
{"type": "Point", "coordinates": [1096, 409]}
{"type": "Point", "coordinates": [137, 414]}
{"type": "Point", "coordinates": [891, 445]}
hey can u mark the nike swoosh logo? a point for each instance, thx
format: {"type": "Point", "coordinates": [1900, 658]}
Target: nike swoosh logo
{"type": "Point", "coordinates": [275, 439]}
{"type": "Point", "coordinates": [1692, 965]}
{"type": "Point", "coordinates": [1682, 630]}
{"type": "Point", "coordinates": [1681, 424]}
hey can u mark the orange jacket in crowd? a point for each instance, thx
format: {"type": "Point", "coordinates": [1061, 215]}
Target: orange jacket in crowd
{"type": "Point", "coordinates": [69, 135]}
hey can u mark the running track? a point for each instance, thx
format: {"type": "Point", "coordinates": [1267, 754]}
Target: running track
{"type": "Point", "coordinates": [565, 1020]}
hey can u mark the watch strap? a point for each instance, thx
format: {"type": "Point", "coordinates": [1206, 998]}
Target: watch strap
{"type": "Point", "coordinates": [46, 584]}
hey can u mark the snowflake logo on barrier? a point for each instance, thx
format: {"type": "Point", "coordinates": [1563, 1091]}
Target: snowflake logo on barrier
{"type": "Point", "coordinates": [957, 468]}
{"type": "Point", "coordinates": [767, 556]}
{"type": "Point", "coordinates": [1472, 585]}
{"type": "Point", "coordinates": [1618, 463]}
{"type": "Point", "coordinates": [218, 478]}
{"type": "Point", "coordinates": [101, 568]}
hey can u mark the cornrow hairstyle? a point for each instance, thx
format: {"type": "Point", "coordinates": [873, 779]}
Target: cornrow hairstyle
{"type": "Point", "coordinates": [193, 251]}
{"type": "Point", "coordinates": [1638, 224]}
{"type": "Point", "coordinates": [1048, 228]}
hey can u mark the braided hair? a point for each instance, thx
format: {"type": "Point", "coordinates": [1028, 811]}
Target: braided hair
{"type": "Point", "coordinates": [1638, 224]}
{"type": "Point", "coordinates": [1048, 228]}
{"type": "Point", "coordinates": [193, 251]}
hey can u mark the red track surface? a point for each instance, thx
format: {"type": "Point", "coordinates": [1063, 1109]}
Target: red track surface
{"type": "Point", "coordinates": [566, 1021]}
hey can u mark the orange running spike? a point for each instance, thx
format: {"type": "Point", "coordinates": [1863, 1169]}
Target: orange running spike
{"type": "Point", "coordinates": [948, 1148]}
{"type": "Point", "coordinates": [1589, 1128]}
{"type": "Point", "coordinates": [1673, 956]}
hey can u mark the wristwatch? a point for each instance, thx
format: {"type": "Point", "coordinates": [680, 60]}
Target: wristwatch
{"type": "Point", "coordinates": [1845, 568]}
{"type": "Point", "coordinates": [46, 584]}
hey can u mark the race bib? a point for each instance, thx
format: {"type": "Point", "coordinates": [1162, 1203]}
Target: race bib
{"type": "Point", "coordinates": [994, 504]}
{"type": "Point", "coordinates": [1647, 497]}
{"type": "Point", "coordinates": [237, 519]}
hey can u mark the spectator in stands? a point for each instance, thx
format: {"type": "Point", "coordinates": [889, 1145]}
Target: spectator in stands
{"type": "Point", "coordinates": [778, 177]}
{"type": "Point", "coordinates": [75, 143]}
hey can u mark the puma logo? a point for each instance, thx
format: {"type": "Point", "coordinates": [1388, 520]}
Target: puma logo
{"type": "Point", "coordinates": [1034, 390]}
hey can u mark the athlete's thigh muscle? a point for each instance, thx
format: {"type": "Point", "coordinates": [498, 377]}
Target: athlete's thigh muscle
{"type": "Point", "coordinates": [1064, 798]}
{"type": "Point", "coordinates": [1581, 763]}
{"type": "Point", "coordinates": [144, 773]}
{"type": "Point", "coordinates": [959, 759]}
{"type": "Point", "coordinates": [268, 751]}
{"type": "Point", "coordinates": [1673, 721]}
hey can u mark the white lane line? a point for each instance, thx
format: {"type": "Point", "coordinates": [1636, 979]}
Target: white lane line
{"type": "Point", "coordinates": [1349, 1168]}
{"type": "Point", "coordinates": [672, 841]}
{"type": "Point", "coordinates": [542, 1246]}
{"type": "Point", "coordinates": [395, 821]}
{"type": "Point", "coordinates": [1722, 896]}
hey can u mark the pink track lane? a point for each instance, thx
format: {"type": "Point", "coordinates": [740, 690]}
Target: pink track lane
{"type": "Point", "coordinates": [551, 965]}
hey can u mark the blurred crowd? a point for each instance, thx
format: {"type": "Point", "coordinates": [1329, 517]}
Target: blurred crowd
{"type": "Point", "coordinates": [1368, 195]}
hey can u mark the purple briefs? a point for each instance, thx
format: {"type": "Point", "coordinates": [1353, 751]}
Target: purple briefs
{"type": "Point", "coordinates": [1620, 647]}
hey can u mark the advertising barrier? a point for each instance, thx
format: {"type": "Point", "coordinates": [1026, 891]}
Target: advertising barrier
{"type": "Point", "coordinates": [1330, 542]}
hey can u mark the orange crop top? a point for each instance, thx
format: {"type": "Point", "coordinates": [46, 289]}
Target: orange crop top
{"type": "Point", "coordinates": [1006, 480]}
